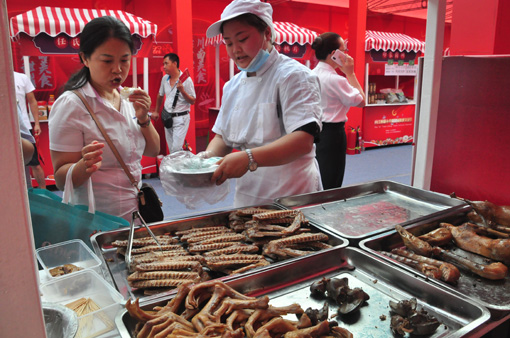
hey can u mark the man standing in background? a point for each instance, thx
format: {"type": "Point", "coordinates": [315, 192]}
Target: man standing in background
{"type": "Point", "coordinates": [179, 93]}
{"type": "Point", "coordinates": [25, 92]}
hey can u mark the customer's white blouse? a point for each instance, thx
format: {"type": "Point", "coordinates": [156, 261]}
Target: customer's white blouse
{"type": "Point", "coordinates": [71, 128]}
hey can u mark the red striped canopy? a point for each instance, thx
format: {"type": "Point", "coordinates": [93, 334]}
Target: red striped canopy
{"type": "Point", "coordinates": [392, 41]}
{"type": "Point", "coordinates": [285, 32]}
{"type": "Point", "coordinates": [55, 20]}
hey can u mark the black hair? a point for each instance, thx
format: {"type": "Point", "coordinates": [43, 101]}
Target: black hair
{"type": "Point", "coordinates": [251, 20]}
{"type": "Point", "coordinates": [173, 57]}
{"type": "Point", "coordinates": [93, 35]}
{"type": "Point", "coordinates": [324, 44]}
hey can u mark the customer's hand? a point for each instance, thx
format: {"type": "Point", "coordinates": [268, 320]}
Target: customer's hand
{"type": "Point", "coordinates": [142, 104]}
{"type": "Point", "coordinates": [91, 155]}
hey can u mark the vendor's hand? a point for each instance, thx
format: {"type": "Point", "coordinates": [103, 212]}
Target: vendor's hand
{"type": "Point", "coordinates": [142, 103]}
{"type": "Point", "coordinates": [37, 130]}
{"type": "Point", "coordinates": [92, 156]}
{"type": "Point", "coordinates": [205, 154]}
{"type": "Point", "coordinates": [233, 165]}
{"type": "Point", "coordinates": [179, 86]}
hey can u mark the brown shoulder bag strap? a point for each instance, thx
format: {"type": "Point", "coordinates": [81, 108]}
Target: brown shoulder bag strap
{"type": "Point", "coordinates": [108, 140]}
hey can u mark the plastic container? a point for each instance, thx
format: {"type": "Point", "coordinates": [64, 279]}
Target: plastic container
{"type": "Point", "coordinates": [50, 103]}
{"type": "Point", "coordinates": [101, 301]}
{"type": "Point", "coordinates": [70, 252]}
{"type": "Point", "coordinates": [43, 110]}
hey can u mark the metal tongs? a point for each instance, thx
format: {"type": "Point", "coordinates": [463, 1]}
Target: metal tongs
{"type": "Point", "coordinates": [136, 214]}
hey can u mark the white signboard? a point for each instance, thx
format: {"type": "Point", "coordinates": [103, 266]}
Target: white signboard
{"type": "Point", "coordinates": [405, 69]}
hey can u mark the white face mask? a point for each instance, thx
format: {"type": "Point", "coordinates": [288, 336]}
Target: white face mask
{"type": "Point", "coordinates": [258, 61]}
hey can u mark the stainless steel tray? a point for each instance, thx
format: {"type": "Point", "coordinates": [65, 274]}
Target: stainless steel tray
{"type": "Point", "coordinates": [495, 295]}
{"type": "Point", "coordinates": [114, 267]}
{"type": "Point", "coordinates": [360, 211]}
{"type": "Point", "coordinates": [289, 283]}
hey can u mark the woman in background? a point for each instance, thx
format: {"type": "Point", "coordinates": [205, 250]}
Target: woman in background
{"type": "Point", "coordinates": [338, 94]}
{"type": "Point", "coordinates": [270, 112]}
{"type": "Point", "coordinates": [77, 145]}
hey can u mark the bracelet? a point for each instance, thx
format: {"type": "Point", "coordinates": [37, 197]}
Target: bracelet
{"type": "Point", "coordinates": [145, 124]}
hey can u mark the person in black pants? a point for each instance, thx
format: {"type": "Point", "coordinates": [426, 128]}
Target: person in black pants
{"type": "Point", "coordinates": [338, 94]}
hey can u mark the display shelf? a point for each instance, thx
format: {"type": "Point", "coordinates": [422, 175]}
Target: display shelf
{"type": "Point", "coordinates": [390, 104]}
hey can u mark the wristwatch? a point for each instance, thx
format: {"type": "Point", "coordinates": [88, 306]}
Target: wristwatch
{"type": "Point", "coordinates": [252, 165]}
{"type": "Point", "coordinates": [145, 124]}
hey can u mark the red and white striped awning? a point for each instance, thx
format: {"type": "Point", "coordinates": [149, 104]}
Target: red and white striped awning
{"type": "Point", "coordinates": [285, 32]}
{"type": "Point", "coordinates": [392, 41]}
{"type": "Point", "coordinates": [56, 20]}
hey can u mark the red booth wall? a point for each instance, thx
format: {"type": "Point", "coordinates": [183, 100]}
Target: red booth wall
{"type": "Point", "coordinates": [319, 18]}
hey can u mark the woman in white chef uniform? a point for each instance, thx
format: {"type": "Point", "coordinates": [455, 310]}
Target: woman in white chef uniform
{"type": "Point", "coordinates": [270, 112]}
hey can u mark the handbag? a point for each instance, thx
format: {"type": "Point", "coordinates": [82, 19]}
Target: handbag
{"type": "Point", "coordinates": [149, 204]}
{"type": "Point", "coordinates": [168, 121]}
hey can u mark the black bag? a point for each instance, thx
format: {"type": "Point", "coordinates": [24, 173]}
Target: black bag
{"type": "Point", "coordinates": [149, 204]}
{"type": "Point", "coordinates": [168, 121]}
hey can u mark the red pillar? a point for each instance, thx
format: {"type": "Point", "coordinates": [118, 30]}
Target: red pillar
{"type": "Point", "coordinates": [357, 28]}
{"type": "Point", "coordinates": [182, 23]}
{"type": "Point", "coordinates": [480, 27]}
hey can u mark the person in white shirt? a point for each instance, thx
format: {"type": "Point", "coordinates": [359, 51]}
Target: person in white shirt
{"type": "Point", "coordinates": [270, 112]}
{"type": "Point", "coordinates": [27, 140]}
{"type": "Point", "coordinates": [178, 99]}
{"type": "Point", "coordinates": [25, 93]}
{"type": "Point", "coordinates": [76, 143]}
{"type": "Point", "coordinates": [338, 94]}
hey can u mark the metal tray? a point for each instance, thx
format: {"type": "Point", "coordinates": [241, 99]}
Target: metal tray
{"type": "Point", "coordinates": [290, 283]}
{"type": "Point", "coordinates": [360, 211]}
{"type": "Point", "coordinates": [114, 267]}
{"type": "Point", "coordinates": [495, 295]}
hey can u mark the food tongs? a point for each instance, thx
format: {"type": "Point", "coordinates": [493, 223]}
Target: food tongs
{"type": "Point", "coordinates": [136, 214]}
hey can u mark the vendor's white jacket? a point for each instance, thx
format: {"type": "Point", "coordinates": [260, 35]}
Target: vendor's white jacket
{"type": "Point", "coordinates": [249, 118]}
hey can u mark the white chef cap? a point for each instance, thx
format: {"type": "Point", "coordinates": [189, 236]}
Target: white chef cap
{"type": "Point", "coordinates": [238, 7]}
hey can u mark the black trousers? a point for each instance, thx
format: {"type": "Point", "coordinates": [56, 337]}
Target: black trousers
{"type": "Point", "coordinates": [330, 154]}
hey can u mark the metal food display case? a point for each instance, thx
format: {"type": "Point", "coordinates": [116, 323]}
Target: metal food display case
{"type": "Point", "coordinates": [290, 283]}
{"type": "Point", "coordinates": [493, 294]}
{"type": "Point", "coordinates": [115, 270]}
{"type": "Point", "coordinates": [360, 211]}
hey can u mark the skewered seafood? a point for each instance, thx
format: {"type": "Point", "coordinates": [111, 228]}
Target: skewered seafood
{"type": "Point", "coordinates": [138, 275]}
{"type": "Point", "coordinates": [234, 249]}
{"type": "Point", "coordinates": [163, 240]}
{"type": "Point", "coordinates": [449, 272]}
{"type": "Point", "coordinates": [413, 243]}
{"type": "Point", "coordinates": [279, 247]}
{"type": "Point", "coordinates": [466, 238]}
{"type": "Point", "coordinates": [240, 245]}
